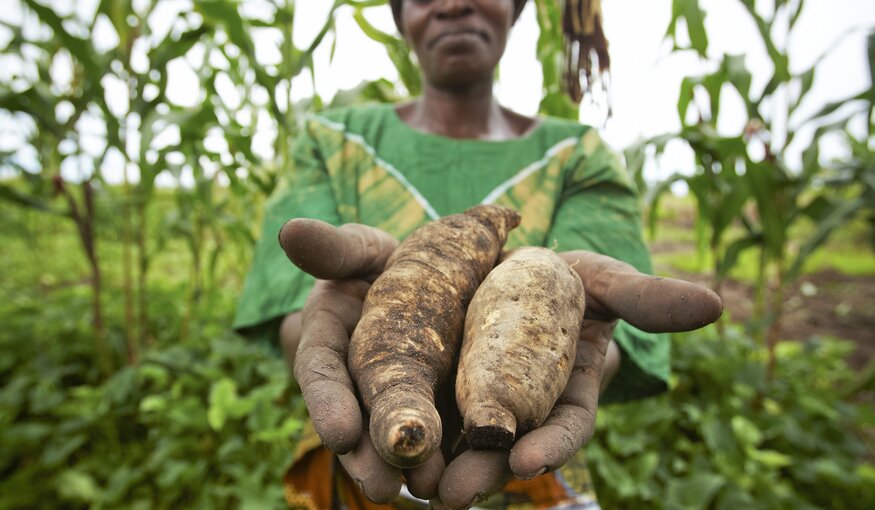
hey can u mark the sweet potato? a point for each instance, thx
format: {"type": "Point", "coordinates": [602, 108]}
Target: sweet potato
{"type": "Point", "coordinates": [411, 326]}
{"type": "Point", "coordinates": [520, 339]}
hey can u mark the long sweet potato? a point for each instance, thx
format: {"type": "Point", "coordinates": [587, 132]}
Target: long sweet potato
{"type": "Point", "coordinates": [404, 346]}
{"type": "Point", "coordinates": [521, 333]}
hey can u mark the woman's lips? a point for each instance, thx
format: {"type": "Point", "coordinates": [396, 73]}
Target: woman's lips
{"type": "Point", "coordinates": [458, 34]}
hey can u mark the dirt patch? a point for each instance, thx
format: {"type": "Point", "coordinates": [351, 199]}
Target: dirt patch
{"type": "Point", "coordinates": [827, 303]}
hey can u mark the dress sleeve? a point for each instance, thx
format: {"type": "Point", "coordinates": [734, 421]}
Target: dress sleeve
{"type": "Point", "coordinates": [274, 287]}
{"type": "Point", "coordinates": [599, 211]}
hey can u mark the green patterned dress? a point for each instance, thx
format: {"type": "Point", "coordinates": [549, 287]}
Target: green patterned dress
{"type": "Point", "coordinates": [365, 165]}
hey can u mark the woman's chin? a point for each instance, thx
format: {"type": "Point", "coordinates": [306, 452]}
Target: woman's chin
{"type": "Point", "coordinates": [461, 73]}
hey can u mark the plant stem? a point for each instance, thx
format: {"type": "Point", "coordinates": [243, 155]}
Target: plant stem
{"type": "Point", "coordinates": [84, 221]}
{"type": "Point", "coordinates": [131, 340]}
{"type": "Point", "coordinates": [760, 295]}
{"type": "Point", "coordinates": [145, 338]}
{"type": "Point", "coordinates": [777, 312]}
{"type": "Point", "coordinates": [717, 284]}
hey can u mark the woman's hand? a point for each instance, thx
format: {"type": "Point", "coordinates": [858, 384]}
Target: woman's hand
{"type": "Point", "coordinates": [352, 255]}
{"type": "Point", "coordinates": [614, 290]}
{"type": "Point", "coordinates": [348, 258]}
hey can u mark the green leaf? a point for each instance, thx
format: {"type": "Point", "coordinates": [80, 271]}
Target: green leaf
{"type": "Point", "coordinates": [686, 96]}
{"type": "Point", "coordinates": [225, 403]}
{"type": "Point", "coordinates": [398, 52]}
{"type": "Point", "coordinates": [76, 485]}
{"type": "Point", "coordinates": [677, 7]}
{"type": "Point", "coordinates": [871, 53]}
{"type": "Point", "coordinates": [829, 108]}
{"type": "Point", "coordinates": [718, 435]}
{"type": "Point", "coordinates": [59, 449]}
{"type": "Point", "coordinates": [153, 403]}
{"type": "Point", "coordinates": [734, 251]}
{"type": "Point", "coordinates": [797, 13]}
{"type": "Point", "coordinates": [558, 104]}
{"type": "Point", "coordinates": [118, 11]}
{"type": "Point", "coordinates": [738, 74]}
{"type": "Point", "coordinates": [746, 431]}
{"type": "Point", "coordinates": [288, 429]}
{"type": "Point", "coordinates": [770, 458]}
{"type": "Point", "coordinates": [806, 80]}
{"type": "Point", "coordinates": [12, 195]}
{"type": "Point", "coordinates": [695, 18]}
{"type": "Point", "coordinates": [174, 47]}
{"type": "Point", "coordinates": [222, 396]}
{"type": "Point", "coordinates": [365, 3]}
{"type": "Point", "coordinates": [694, 492]}
{"type": "Point", "coordinates": [766, 183]}
{"type": "Point", "coordinates": [713, 83]}
{"type": "Point", "coordinates": [840, 215]}
{"type": "Point", "coordinates": [80, 48]}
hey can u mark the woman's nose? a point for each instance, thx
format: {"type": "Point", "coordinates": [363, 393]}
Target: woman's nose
{"type": "Point", "coordinates": [448, 9]}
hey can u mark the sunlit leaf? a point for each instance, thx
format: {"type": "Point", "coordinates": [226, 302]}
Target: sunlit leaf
{"type": "Point", "coordinates": [746, 431]}
{"type": "Point", "coordinates": [153, 403]}
{"type": "Point", "coordinates": [771, 458]}
{"type": "Point", "coordinates": [77, 485]}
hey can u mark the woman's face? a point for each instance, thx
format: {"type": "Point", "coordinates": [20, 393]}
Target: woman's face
{"type": "Point", "coordinates": [458, 42]}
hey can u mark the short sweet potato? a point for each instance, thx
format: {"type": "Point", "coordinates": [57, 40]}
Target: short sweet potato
{"type": "Point", "coordinates": [520, 339]}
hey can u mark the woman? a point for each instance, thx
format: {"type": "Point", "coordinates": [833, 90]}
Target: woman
{"type": "Point", "coordinates": [397, 167]}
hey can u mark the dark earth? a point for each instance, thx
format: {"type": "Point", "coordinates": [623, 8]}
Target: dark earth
{"type": "Point", "coordinates": [826, 303]}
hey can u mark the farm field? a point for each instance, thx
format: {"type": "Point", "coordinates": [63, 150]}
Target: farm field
{"type": "Point", "coordinates": [130, 213]}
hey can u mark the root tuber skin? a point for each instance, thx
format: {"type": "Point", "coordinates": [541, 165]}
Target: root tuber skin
{"type": "Point", "coordinates": [520, 339]}
{"type": "Point", "coordinates": [405, 344]}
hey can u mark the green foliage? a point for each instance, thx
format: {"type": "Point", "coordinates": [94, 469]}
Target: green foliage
{"type": "Point", "coordinates": [190, 416]}
{"type": "Point", "coordinates": [397, 49]}
{"type": "Point", "coordinates": [206, 423]}
{"type": "Point", "coordinates": [725, 437]}
{"type": "Point", "coordinates": [551, 55]}
{"type": "Point", "coordinates": [748, 195]}
{"type": "Point", "coordinates": [207, 148]}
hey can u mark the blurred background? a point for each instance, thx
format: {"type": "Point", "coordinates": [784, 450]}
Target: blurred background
{"type": "Point", "coordinates": [138, 141]}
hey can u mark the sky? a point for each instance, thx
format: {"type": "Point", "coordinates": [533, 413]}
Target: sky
{"type": "Point", "coordinates": [645, 76]}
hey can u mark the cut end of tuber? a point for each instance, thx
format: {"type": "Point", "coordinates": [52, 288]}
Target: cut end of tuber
{"type": "Point", "coordinates": [408, 439]}
{"type": "Point", "coordinates": [490, 437]}
{"type": "Point", "coordinates": [405, 438]}
{"type": "Point", "coordinates": [490, 426]}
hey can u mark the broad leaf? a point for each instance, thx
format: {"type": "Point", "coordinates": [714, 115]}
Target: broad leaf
{"type": "Point", "coordinates": [694, 492]}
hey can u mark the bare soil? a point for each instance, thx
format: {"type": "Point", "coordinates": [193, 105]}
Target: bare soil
{"type": "Point", "coordinates": [826, 303]}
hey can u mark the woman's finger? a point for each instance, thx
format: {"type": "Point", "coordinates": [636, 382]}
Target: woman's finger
{"type": "Point", "coordinates": [472, 476]}
{"type": "Point", "coordinates": [572, 421]}
{"type": "Point", "coordinates": [331, 253]}
{"type": "Point", "coordinates": [329, 317]}
{"type": "Point", "coordinates": [378, 481]}
{"type": "Point", "coordinates": [615, 289]}
{"type": "Point", "coordinates": [423, 480]}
